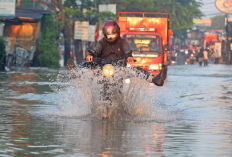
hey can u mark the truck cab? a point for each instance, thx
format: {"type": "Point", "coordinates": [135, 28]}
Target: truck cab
{"type": "Point", "coordinates": [149, 36]}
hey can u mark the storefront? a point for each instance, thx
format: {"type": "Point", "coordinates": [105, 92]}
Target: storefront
{"type": "Point", "coordinates": [22, 33]}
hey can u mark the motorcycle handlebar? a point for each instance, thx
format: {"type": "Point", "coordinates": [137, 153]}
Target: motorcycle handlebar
{"type": "Point", "coordinates": [108, 61]}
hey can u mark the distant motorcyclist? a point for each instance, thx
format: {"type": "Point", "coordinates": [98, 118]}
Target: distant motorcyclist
{"type": "Point", "coordinates": [112, 46]}
{"type": "Point", "coordinates": [173, 57]}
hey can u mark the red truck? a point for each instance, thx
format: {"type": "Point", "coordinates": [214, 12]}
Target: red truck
{"type": "Point", "coordinates": [149, 37]}
{"type": "Point", "coordinates": [211, 37]}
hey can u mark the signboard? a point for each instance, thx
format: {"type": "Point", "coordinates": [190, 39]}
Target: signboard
{"type": "Point", "coordinates": [101, 35]}
{"type": "Point", "coordinates": [81, 30]}
{"type": "Point", "coordinates": [7, 7]}
{"type": "Point", "coordinates": [91, 33]}
{"type": "Point", "coordinates": [1, 29]}
{"type": "Point", "coordinates": [107, 7]}
{"type": "Point", "coordinates": [202, 22]}
{"type": "Point", "coordinates": [224, 6]}
{"type": "Point", "coordinates": [207, 22]}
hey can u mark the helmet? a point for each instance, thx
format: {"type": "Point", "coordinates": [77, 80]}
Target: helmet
{"type": "Point", "coordinates": [111, 31]}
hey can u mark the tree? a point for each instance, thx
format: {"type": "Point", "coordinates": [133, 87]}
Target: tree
{"type": "Point", "coordinates": [49, 43]}
{"type": "Point", "coordinates": [218, 22]}
{"type": "Point", "coordinates": [181, 12]}
{"type": "Point", "coordinates": [87, 11]}
{"type": "Point", "coordinates": [107, 15]}
{"type": "Point", "coordinates": [2, 49]}
{"type": "Point", "coordinates": [68, 13]}
{"type": "Point", "coordinates": [182, 34]}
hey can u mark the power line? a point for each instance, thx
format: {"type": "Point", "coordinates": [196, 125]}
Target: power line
{"type": "Point", "coordinates": [206, 12]}
{"type": "Point", "coordinates": [209, 3]}
{"type": "Point", "coordinates": [215, 14]}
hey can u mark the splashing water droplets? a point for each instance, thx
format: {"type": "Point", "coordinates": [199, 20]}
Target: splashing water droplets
{"type": "Point", "coordinates": [134, 101]}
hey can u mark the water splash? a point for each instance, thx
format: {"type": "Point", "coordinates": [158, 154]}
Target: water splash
{"type": "Point", "coordinates": [136, 101]}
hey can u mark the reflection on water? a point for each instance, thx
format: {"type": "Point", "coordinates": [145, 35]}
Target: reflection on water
{"type": "Point", "coordinates": [20, 77]}
{"type": "Point", "coordinates": [190, 116]}
{"type": "Point", "coordinates": [22, 88]}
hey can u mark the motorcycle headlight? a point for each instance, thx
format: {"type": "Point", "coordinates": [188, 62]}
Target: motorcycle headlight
{"type": "Point", "coordinates": [128, 65]}
{"type": "Point", "coordinates": [108, 70]}
{"type": "Point", "coordinates": [127, 81]}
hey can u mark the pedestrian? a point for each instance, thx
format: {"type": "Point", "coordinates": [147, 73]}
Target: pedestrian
{"type": "Point", "coordinates": [196, 55]}
{"type": "Point", "coordinates": [216, 56]}
{"type": "Point", "coordinates": [200, 56]}
{"type": "Point", "coordinates": [205, 53]}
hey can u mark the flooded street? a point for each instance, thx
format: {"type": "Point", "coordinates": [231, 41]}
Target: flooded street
{"type": "Point", "coordinates": [44, 114]}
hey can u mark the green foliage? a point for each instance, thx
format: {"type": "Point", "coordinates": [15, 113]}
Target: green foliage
{"type": "Point", "coordinates": [107, 15]}
{"type": "Point", "coordinates": [135, 5]}
{"type": "Point", "coordinates": [2, 49]}
{"type": "Point", "coordinates": [49, 42]}
{"type": "Point", "coordinates": [27, 4]}
{"type": "Point", "coordinates": [181, 12]}
{"type": "Point", "coordinates": [90, 11]}
{"type": "Point", "coordinates": [218, 22]}
{"type": "Point", "coordinates": [71, 11]}
{"type": "Point", "coordinates": [181, 34]}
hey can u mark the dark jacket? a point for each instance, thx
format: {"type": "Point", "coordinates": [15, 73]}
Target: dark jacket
{"type": "Point", "coordinates": [112, 51]}
{"type": "Point", "coordinates": [200, 54]}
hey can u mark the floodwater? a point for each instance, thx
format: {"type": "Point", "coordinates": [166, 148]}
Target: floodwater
{"type": "Point", "coordinates": [44, 113]}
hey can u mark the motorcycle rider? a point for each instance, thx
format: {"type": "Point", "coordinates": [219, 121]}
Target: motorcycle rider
{"type": "Point", "coordinates": [112, 46]}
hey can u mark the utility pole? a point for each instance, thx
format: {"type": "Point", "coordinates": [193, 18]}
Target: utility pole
{"type": "Point", "coordinates": [227, 39]}
{"type": "Point", "coordinates": [98, 22]}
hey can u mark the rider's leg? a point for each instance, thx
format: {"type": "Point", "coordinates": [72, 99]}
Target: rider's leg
{"type": "Point", "coordinates": [157, 80]}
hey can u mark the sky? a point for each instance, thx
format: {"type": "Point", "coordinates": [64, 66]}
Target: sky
{"type": "Point", "coordinates": [209, 9]}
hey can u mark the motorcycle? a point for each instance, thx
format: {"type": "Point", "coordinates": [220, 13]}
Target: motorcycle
{"type": "Point", "coordinates": [109, 74]}
{"type": "Point", "coordinates": [193, 57]}
{"type": "Point", "coordinates": [173, 57]}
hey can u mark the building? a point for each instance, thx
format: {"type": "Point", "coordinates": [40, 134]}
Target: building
{"type": "Point", "coordinates": [196, 36]}
{"type": "Point", "coordinates": [22, 32]}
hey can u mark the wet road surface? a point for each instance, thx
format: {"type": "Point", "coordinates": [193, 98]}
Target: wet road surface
{"type": "Point", "coordinates": [43, 115]}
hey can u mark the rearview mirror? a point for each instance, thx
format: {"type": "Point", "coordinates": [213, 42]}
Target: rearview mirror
{"type": "Point", "coordinates": [165, 47]}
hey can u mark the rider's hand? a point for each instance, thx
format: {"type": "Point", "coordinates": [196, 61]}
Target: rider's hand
{"type": "Point", "coordinates": [89, 58]}
{"type": "Point", "coordinates": [130, 59]}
